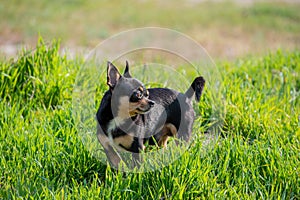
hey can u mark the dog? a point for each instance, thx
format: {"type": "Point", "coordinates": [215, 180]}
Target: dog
{"type": "Point", "coordinates": [129, 115]}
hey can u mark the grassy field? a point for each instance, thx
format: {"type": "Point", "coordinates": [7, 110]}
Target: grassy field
{"type": "Point", "coordinates": [257, 155]}
{"type": "Point", "coordinates": [256, 48]}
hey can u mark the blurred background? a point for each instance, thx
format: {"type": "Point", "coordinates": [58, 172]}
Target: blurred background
{"type": "Point", "coordinates": [227, 29]}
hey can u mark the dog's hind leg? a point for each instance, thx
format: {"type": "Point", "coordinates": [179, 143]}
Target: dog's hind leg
{"type": "Point", "coordinates": [169, 130]}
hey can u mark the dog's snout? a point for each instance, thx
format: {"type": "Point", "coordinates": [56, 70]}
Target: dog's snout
{"type": "Point", "coordinates": [151, 103]}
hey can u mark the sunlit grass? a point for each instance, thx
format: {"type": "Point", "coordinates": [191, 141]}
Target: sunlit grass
{"type": "Point", "coordinates": [256, 156]}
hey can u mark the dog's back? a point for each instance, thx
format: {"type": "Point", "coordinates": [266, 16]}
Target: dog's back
{"type": "Point", "coordinates": [175, 112]}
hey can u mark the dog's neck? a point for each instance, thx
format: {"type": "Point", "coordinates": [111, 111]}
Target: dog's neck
{"type": "Point", "coordinates": [112, 120]}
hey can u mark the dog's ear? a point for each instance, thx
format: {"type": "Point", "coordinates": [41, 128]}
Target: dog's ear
{"type": "Point", "coordinates": [126, 72]}
{"type": "Point", "coordinates": [113, 75]}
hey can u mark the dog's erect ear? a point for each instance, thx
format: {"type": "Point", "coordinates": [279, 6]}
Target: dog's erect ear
{"type": "Point", "coordinates": [113, 75]}
{"type": "Point", "coordinates": [126, 72]}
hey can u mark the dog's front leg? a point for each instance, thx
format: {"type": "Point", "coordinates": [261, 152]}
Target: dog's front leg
{"type": "Point", "coordinates": [136, 148]}
{"type": "Point", "coordinates": [113, 157]}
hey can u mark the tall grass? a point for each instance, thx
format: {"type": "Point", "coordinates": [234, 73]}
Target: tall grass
{"type": "Point", "coordinates": [256, 157]}
{"type": "Point", "coordinates": [41, 77]}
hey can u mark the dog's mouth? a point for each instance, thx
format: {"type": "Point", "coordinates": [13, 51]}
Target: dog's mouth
{"type": "Point", "coordinates": [142, 107]}
{"type": "Point", "coordinates": [145, 108]}
{"type": "Point", "coordinates": [143, 111]}
{"type": "Point", "coordinates": [139, 111]}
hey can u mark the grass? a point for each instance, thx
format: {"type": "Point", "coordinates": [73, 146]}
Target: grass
{"type": "Point", "coordinates": [257, 155]}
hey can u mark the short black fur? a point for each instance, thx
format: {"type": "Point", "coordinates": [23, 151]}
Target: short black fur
{"type": "Point", "coordinates": [165, 113]}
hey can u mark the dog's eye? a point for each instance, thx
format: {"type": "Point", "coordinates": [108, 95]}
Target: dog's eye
{"type": "Point", "coordinates": [139, 94]}
{"type": "Point", "coordinates": [136, 96]}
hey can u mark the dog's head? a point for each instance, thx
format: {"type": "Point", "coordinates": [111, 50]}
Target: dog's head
{"type": "Point", "coordinates": [129, 95]}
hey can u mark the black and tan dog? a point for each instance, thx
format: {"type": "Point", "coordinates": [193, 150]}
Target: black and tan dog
{"type": "Point", "coordinates": [131, 115]}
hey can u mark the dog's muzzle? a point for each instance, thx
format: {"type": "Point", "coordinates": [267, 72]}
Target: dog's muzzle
{"type": "Point", "coordinates": [146, 107]}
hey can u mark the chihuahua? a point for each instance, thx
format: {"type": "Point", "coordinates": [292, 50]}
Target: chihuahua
{"type": "Point", "coordinates": [130, 115]}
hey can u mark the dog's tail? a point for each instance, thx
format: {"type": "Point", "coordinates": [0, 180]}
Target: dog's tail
{"type": "Point", "coordinates": [196, 88]}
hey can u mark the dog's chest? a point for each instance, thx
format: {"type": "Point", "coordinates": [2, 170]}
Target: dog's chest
{"type": "Point", "coordinates": [111, 127]}
{"type": "Point", "coordinates": [117, 136]}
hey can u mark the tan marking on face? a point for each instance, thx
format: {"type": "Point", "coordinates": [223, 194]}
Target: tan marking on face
{"type": "Point", "coordinates": [141, 88]}
{"type": "Point", "coordinates": [128, 109]}
{"type": "Point", "coordinates": [168, 130]}
{"type": "Point", "coordinates": [143, 102]}
{"type": "Point", "coordinates": [125, 140]}
{"type": "Point", "coordinates": [133, 105]}
{"type": "Point", "coordinates": [132, 108]}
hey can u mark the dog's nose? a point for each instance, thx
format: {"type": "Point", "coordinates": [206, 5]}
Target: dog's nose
{"type": "Point", "coordinates": [151, 103]}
